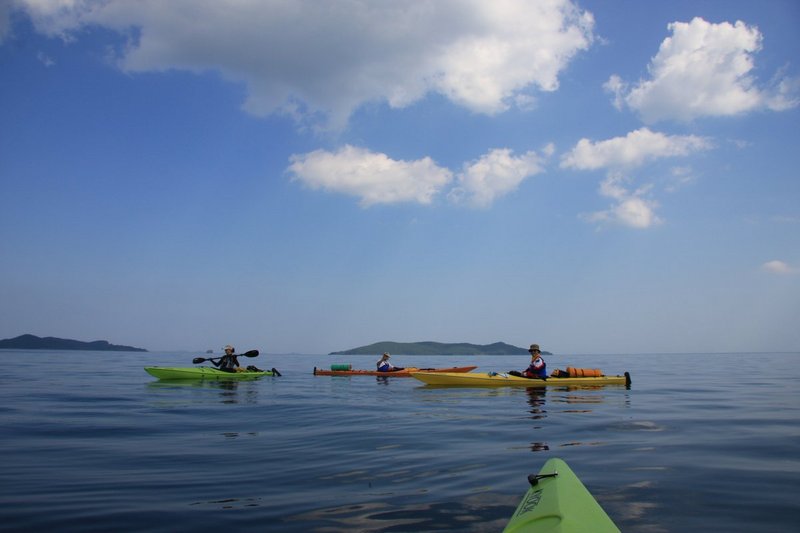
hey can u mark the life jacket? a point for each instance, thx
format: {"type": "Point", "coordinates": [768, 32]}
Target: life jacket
{"type": "Point", "coordinates": [537, 369]}
{"type": "Point", "coordinates": [229, 362]}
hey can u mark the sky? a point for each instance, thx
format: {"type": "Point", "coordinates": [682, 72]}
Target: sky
{"type": "Point", "coordinates": [310, 176]}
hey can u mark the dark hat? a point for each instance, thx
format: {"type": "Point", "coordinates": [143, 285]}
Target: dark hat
{"type": "Point", "coordinates": [534, 348]}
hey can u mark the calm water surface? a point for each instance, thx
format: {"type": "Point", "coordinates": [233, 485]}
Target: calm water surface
{"type": "Point", "coordinates": [92, 443]}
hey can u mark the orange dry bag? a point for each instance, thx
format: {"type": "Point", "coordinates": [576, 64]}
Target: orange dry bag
{"type": "Point", "coordinates": [584, 372]}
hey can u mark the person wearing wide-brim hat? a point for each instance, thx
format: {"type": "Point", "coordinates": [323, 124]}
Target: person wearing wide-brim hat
{"type": "Point", "coordinates": [537, 368]}
{"type": "Point", "coordinates": [385, 366]}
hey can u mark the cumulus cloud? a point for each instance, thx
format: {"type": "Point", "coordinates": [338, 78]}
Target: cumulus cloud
{"type": "Point", "coordinates": [495, 174]}
{"type": "Point", "coordinates": [633, 150]}
{"type": "Point", "coordinates": [778, 267]}
{"type": "Point", "coordinates": [679, 177]}
{"type": "Point", "coordinates": [373, 177]}
{"type": "Point", "coordinates": [631, 208]}
{"type": "Point", "coordinates": [45, 60]}
{"type": "Point", "coordinates": [704, 69]}
{"type": "Point", "coordinates": [315, 60]}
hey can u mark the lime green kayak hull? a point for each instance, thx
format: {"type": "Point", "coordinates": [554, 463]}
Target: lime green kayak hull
{"type": "Point", "coordinates": [201, 372]}
{"type": "Point", "coordinates": [478, 379]}
{"type": "Point", "coordinates": [559, 504]}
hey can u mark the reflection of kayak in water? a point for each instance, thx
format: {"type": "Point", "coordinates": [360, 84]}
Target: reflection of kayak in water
{"type": "Point", "coordinates": [557, 502]}
{"type": "Point", "coordinates": [204, 372]}
{"type": "Point", "coordinates": [494, 379]}
{"type": "Point", "coordinates": [406, 372]}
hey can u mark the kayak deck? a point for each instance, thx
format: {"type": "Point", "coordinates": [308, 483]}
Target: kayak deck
{"type": "Point", "coordinates": [202, 372]}
{"type": "Point", "coordinates": [494, 379]}
{"type": "Point", "coordinates": [405, 373]}
{"type": "Point", "coordinates": [558, 502]}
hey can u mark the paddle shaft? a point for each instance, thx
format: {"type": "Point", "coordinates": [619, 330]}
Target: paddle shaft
{"type": "Point", "coordinates": [198, 360]}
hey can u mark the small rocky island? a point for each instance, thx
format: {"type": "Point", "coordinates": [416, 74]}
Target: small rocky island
{"type": "Point", "coordinates": [32, 342]}
{"type": "Point", "coordinates": [436, 348]}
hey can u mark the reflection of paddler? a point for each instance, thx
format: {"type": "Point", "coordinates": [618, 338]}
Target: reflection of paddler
{"type": "Point", "coordinates": [536, 399]}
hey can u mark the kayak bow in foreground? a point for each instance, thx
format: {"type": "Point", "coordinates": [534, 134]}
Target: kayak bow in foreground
{"type": "Point", "coordinates": [558, 502]}
{"type": "Point", "coordinates": [406, 372]}
{"type": "Point", "coordinates": [204, 372]}
{"type": "Point", "coordinates": [494, 379]}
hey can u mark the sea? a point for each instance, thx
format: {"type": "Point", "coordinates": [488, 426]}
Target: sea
{"type": "Point", "coordinates": [90, 442]}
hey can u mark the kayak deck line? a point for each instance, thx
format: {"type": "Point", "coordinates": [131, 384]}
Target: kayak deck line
{"type": "Point", "coordinates": [405, 373]}
{"type": "Point", "coordinates": [204, 372]}
{"type": "Point", "coordinates": [557, 502]}
{"type": "Point", "coordinates": [494, 379]}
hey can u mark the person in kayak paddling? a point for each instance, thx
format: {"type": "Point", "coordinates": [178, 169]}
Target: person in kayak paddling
{"type": "Point", "coordinates": [385, 366]}
{"type": "Point", "coordinates": [228, 362]}
{"type": "Point", "coordinates": [537, 368]}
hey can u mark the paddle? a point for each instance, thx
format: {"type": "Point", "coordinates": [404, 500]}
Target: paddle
{"type": "Point", "coordinates": [198, 360]}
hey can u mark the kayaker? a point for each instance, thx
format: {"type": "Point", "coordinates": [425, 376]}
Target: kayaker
{"type": "Point", "coordinates": [385, 366]}
{"type": "Point", "coordinates": [537, 368]}
{"type": "Point", "coordinates": [228, 362]}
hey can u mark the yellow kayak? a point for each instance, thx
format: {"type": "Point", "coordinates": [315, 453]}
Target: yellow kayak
{"type": "Point", "coordinates": [406, 372]}
{"type": "Point", "coordinates": [495, 379]}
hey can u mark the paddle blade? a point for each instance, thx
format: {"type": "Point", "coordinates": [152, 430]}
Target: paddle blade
{"type": "Point", "coordinates": [198, 360]}
{"type": "Point", "coordinates": [251, 353]}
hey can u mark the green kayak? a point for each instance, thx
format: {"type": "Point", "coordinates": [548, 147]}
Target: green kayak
{"type": "Point", "coordinates": [204, 372]}
{"type": "Point", "coordinates": [557, 502]}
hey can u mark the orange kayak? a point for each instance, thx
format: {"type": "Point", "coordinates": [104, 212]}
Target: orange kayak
{"type": "Point", "coordinates": [405, 373]}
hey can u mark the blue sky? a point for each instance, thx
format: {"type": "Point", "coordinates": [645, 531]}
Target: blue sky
{"type": "Point", "coordinates": [305, 176]}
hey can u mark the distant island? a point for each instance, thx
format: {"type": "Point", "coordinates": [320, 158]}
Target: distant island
{"type": "Point", "coordinates": [32, 342]}
{"type": "Point", "coordinates": [436, 348]}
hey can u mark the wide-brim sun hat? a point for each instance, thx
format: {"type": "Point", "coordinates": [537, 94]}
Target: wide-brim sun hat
{"type": "Point", "coordinates": [534, 348]}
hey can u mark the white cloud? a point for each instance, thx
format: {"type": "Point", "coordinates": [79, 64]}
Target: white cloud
{"type": "Point", "coordinates": [778, 267]}
{"type": "Point", "coordinates": [704, 69]}
{"type": "Point", "coordinates": [45, 60]}
{"type": "Point", "coordinates": [495, 174]}
{"type": "Point", "coordinates": [633, 150]}
{"type": "Point", "coordinates": [373, 177]}
{"type": "Point", "coordinates": [314, 59]}
{"type": "Point", "coordinates": [377, 179]}
{"type": "Point", "coordinates": [679, 177]}
{"type": "Point", "coordinates": [631, 209]}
